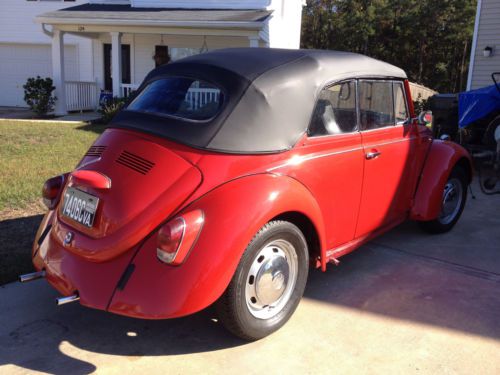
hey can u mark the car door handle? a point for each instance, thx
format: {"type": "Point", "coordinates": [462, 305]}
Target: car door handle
{"type": "Point", "coordinates": [373, 154]}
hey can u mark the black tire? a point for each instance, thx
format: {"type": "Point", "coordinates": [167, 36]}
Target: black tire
{"type": "Point", "coordinates": [237, 311]}
{"type": "Point", "coordinates": [489, 134]}
{"type": "Point", "coordinates": [442, 223]}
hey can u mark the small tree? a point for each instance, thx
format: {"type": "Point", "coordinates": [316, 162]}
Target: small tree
{"type": "Point", "coordinates": [38, 95]}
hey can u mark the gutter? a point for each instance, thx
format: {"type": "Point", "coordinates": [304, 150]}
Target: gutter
{"type": "Point", "coordinates": [50, 34]}
{"type": "Point", "coordinates": [474, 45]}
{"type": "Point", "coordinates": [154, 23]}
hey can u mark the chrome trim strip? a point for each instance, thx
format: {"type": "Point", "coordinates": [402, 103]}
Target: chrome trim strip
{"type": "Point", "coordinates": [301, 160]}
{"type": "Point", "coordinates": [391, 142]}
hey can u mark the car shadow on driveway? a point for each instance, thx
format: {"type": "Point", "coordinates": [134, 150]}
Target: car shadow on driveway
{"type": "Point", "coordinates": [16, 238]}
{"type": "Point", "coordinates": [448, 281]}
{"type": "Point", "coordinates": [46, 340]}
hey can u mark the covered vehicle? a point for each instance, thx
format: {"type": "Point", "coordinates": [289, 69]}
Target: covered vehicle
{"type": "Point", "coordinates": [472, 119]}
{"type": "Point", "coordinates": [231, 173]}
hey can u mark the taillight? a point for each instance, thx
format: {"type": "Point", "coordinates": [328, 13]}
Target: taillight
{"type": "Point", "coordinates": [51, 191]}
{"type": "Point", "coordinates": [176, 238]}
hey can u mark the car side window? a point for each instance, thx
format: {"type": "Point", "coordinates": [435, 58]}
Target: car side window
{"type": "Point", "coordinates": [400, 108]}
{"type": "Point", "coordinates": [376, 104]}
{"type": "Point", "coordinates": [335, 111]}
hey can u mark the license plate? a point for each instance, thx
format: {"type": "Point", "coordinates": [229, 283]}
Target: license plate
{"type": "Point", "coordinates": [79, 206]}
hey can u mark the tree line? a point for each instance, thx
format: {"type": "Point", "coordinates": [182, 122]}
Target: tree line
{"type": "Point", "coordinates": [429, 39]}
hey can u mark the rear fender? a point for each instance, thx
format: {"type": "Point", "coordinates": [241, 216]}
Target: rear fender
{"type": "Point", "coordinates": [442, 157]}
{"type": "Point", "coordinates": [234, 212]}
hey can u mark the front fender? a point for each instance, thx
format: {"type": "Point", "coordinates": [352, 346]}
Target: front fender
{"type": "Point", "coordinates": [234, 212]}
{"type": "Point", "coordinates": [442, 157]}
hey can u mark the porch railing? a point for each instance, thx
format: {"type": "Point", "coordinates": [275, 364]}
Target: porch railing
{"type": "Point", "coordinates": [128, 88]}
{"type": "Point", "coordinates": [196, 97]}
{"type": "Point", "coordinates": [81, 95]}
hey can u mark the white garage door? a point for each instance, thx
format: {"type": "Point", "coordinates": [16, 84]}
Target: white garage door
{"type": "Point", "coordinates": [19, 62]}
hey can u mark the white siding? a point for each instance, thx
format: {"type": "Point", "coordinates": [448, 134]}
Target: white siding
{"type": "Point", "coordinates": [284, 25]}
{"type": "Point", "coordinates": [17, 20]}
{"type": "Point", "coordinates": [488, 35]}
{"type": "Point", "coordinates": [207, 4]}
{"type": "Point", "coordinates": [30, 47]}
{"type": "Point", "coordinates": [20, 62]}
{"type": "Point", "coordinates": [142, 48]}
{"type": "Point", "coordinates": [109, 1]}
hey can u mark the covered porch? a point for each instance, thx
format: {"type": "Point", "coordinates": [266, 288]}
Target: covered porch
{"type": "Point", "coordinates": [125, 40]}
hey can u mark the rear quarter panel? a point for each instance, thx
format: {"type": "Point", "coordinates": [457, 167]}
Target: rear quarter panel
{"type": "Point", "coordinates": [234, 212]}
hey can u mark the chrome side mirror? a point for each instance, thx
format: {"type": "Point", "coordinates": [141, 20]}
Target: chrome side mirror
{"type": "Point", "coordinates": [425, 118]}
{"type": "Point", "coordinates": [445, 137]}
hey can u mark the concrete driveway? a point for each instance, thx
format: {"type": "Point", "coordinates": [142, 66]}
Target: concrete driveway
{"type": "Point", "coordinates": [406, 303]}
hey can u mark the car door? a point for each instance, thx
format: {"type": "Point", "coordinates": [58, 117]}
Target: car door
{"type": "Point", "coordinates": [389, 148]}
{"type": "Point", "coordinates": [332, 161]}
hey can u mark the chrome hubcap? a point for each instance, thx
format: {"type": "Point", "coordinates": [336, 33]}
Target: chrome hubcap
{"type": "Point", "coordinates": [452, 198]}
{"type": "Point", "coordinates": [271, 279]}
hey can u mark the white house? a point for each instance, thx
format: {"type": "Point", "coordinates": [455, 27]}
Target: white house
{"type": "Point", "coordinates": [86, 44]}
{"type": "Point", "coordinates": [485, 55]}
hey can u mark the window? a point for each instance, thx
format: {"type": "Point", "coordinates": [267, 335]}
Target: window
{"type": "Point", "coordinates": [400, 103]}
{"type": "Point", "coordinates": [179, 97]}
{"type": "Point", "coordinates": [376, 104]}
{"type": "Point", "coordinates": [335, 111]}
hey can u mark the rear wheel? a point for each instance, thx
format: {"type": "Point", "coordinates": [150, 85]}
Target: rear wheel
{"type": "Point", "coordinates": [453, 203]}
{"type": "Point", "coordinates": [268, 283]}
{"type": "Point", "coordinates": [489, 134]}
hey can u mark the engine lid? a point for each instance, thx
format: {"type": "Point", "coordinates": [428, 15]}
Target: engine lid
{"type": "Point", "coordinates": [148, 183]}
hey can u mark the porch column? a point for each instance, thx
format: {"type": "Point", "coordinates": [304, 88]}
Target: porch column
{"type": "Point", "coordinates": [116, 62]}
{"type": "Point", "coordinates": [58, 72]}
{"type": "Point", "coordinates": [254, 41]}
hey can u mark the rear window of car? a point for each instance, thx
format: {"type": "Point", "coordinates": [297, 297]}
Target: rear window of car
{"type": "Point", "coordinates": [181, 97]}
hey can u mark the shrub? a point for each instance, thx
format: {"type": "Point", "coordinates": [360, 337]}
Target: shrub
{"type": "Point", "coordinates": [38, 95]}
{"type": "Point", "coordinates": [109, 108]}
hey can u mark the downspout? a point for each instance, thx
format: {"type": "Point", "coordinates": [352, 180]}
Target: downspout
{"type": "Point", "coordinates": [474, 45]}
{"type": "Point", "coordinates": [50, 34]}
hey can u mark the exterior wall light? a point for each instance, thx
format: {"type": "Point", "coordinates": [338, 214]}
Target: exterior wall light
{"type": "Point", "coordinates": [488, 51]}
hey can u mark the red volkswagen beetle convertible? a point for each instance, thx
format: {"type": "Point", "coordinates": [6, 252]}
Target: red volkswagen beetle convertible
{"type": "Point", "coordinates": [231, 173]}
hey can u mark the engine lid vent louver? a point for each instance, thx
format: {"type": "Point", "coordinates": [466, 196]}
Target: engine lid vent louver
{"type": "Point", "coordinates": [95, 151]}
{"type": "Point", "coordinates": [135, 162]}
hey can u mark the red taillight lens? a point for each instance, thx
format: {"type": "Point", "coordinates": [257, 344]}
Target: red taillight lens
{"type": "Point", "coordinates": [169, 239]}
{"type": "Point", "coordinates": [176, 238]}
{"type": "Point", "coordinates": [51, 191]}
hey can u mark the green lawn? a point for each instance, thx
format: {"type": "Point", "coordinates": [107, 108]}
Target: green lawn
{"type": "Point", "coordinates": [29, 154]}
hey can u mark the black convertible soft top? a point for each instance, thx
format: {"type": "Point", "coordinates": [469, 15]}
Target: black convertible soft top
{"type": "Point", "coordinates": [269, 96]}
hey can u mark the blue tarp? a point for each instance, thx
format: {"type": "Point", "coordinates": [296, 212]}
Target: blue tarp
{"type": "Point", "coordinates": [476, 104]}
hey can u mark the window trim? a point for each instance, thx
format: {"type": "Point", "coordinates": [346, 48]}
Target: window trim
{"type": "Point", "coordinates": [408, 117]}
{"type": "Point", "coordinates": [393, 103]}
{"type": "Point", "coordinates": [356, 104]}
{"type": "Point", "coordinates": [358, 129]}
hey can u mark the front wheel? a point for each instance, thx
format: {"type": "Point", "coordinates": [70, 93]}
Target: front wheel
{"type": "Point", "coordinates": [268, 283]}
{"type": "Point", "coordinates": [453, 203]}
